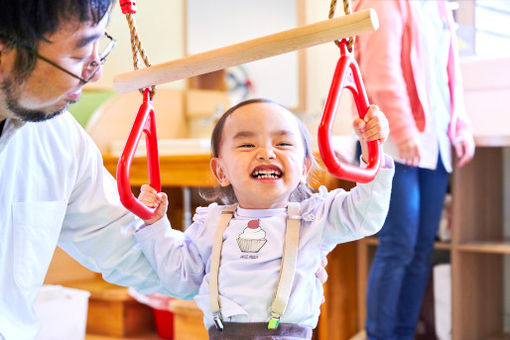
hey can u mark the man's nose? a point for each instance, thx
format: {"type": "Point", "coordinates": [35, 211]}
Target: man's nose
{"type": "Point", "coordinates": [94, 68]}
{"type": "Point", "coordinates": [98, 74]}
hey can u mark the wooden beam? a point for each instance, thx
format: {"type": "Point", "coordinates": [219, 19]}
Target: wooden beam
{"type": "Point", "coordinates": [251, 50]}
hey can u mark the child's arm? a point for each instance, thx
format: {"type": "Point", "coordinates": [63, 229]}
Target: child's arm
{"type": "Point", "coordinates": [374, 126]}
{"type": "Point", "coordinates": [362, 210]}
{"type": "Point", "coordinates": [151, 198]}
{"type": "Point", "coordinates": [172, 253]}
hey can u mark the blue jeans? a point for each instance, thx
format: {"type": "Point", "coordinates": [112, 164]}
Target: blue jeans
{"type": "Point", "coordinates": [400, 270]}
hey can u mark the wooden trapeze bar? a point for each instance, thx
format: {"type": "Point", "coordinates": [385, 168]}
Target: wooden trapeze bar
{"type": "Point", "coordinates": [251, 50]}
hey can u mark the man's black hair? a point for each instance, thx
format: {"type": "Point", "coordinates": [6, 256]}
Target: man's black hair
{"type": "Point", "coordinates": [27, 22]}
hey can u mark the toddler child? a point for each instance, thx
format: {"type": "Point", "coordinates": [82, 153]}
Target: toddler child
{"type": "Point", "coordinates": [255, 257]}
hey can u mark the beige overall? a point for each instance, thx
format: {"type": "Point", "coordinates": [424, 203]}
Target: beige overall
{"type": "Point", "coordinates": [259, 330]}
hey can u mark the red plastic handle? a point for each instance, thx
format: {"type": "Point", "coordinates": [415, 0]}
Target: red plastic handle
{"type": "Point", "coordinates": [128, 6]}
{"type": "Point", "coordinates": [347, 75]}
{"type": "Point", "coordinates": [145, 122]}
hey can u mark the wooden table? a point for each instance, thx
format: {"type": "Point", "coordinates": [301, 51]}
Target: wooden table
{"type": "Point", "coordinates": [339, 313]}
{"type": "Point", "coordinates": [176, 170]}
{"type": "Point", "coordinates": [193, 171]}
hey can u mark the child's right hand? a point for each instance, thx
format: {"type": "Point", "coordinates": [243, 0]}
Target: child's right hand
{"type": "Point", "coordinates": [151, 198]}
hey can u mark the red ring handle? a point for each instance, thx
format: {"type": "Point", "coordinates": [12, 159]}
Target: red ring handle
{"type": "Point", "coordinates": [128, 6]}
{"type": "Point", "coordinates": [145, 122]}
{"type": "Point", "coordinates": [347, 75]}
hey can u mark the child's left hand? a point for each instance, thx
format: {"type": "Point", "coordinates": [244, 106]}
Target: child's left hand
{"type": "Point", "coordinates": [374, 126]}
{"type": "Point", "coordinates": [151, 198]}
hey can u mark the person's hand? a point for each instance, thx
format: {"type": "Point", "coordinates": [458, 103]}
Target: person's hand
{"type": "Point", "coordinates": [465, 149]}
{"type": "Point", "coordinates": [409, 152]}
{"type": "Point", "coordinates": [151, 198]}
{"type": "Point", "coordinates": [374, 126]}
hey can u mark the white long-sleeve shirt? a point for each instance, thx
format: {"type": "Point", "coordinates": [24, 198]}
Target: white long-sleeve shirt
{"type": "Point", "coordinates": [54, 191]}
{"type": "Point", "coordinates": [248, 276]}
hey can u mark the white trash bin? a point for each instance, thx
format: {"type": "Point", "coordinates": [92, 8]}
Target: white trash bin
{"type": "Point", "coordinates": [62, 313]}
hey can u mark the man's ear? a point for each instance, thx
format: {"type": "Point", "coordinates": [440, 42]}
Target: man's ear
{"type": "Point", "coordinates": [3, 52]}
{"type": "Point", "coordinates": [219, 172]}
{"type": "Point", "coordinates": [307, 167]}
{"type": "Point", "coordinates": [2, 48]}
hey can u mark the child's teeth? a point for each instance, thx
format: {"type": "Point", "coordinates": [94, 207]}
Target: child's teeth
{"type": "Point", "coordinates": [268, 174]}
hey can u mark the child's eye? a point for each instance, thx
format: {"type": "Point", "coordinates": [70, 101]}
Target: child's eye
{"type": "Point", "coordinates": [284, 144]}
{"type": "Point", "coordinates": [246, 145]}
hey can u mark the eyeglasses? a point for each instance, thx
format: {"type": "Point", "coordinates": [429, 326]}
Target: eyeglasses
{"type": "Point", "coordinates": [106, 45]}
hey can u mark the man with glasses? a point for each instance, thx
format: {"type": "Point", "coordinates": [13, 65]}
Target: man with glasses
{"type": "Point", "coordinates": [104, 49]}
{"type": "Point", "coordinates": [53, 187]}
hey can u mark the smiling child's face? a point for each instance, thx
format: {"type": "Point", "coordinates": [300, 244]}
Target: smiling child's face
{"type": "Point", "coordinates": [261, 155]}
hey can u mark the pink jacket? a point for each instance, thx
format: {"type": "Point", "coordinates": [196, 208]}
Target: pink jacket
{"type": "Point", "coordinates": [394, 77]}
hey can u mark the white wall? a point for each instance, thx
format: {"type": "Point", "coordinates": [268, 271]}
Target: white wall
{"type": "Point", "coordinates": [159, 24]}
{"type": "Point", "coordinates": [320, 66]}
{"type": "Point", "coordinates": [219, 23]}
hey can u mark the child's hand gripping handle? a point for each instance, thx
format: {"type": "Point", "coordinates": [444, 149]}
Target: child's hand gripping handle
{"type": "Point", "coordinates": [347, 75]}
{"type": "Point", "coordinates": [145, 122]}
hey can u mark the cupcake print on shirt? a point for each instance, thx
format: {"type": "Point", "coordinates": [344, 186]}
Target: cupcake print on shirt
{"type": "Point", "coordinates": [253, 238]}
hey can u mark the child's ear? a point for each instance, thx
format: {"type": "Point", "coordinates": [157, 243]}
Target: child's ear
{"type": "Point", "coordinates": [306, 170]}
{"type": "Point", "coordinates": [219, 172]}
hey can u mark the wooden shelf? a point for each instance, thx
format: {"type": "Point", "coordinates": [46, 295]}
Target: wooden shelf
{"type": "Point", "coordinates": [113, 313]}
{"type": "Point", "coordinates": [493, 247]}
{"type": "Point", "coordinates": [476, 248]}
{"type": "Point", "coordinates": [505, 336]}
{"type": "Point", "coordinates": [437, 245]}
{"type": "Point", "coordinates": [149, 336]}
{"type": "Point", "coordinates": [492, 140]}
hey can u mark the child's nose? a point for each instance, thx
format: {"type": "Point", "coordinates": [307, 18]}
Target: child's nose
{"type": "Point", "coordinates": [266, 153]}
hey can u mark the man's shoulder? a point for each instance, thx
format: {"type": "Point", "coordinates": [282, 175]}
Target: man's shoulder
{"type": "Point", "coordinates": [65, 119]}
{"type": "Point", "coordinates": [64, 125]}
{"type": "Point", "coordinates": [62, 132]}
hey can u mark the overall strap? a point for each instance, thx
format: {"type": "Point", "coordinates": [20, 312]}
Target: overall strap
{"type": "Point", "coordinates": [288, 266]}
{"type": "Point", "coordinates": [287, 270]}
{"type": "Point", "coordinates": [214, 301]}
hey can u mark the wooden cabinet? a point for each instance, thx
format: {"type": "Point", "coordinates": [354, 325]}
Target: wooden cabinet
{"type": "Point", "coordinates": [477, 247]}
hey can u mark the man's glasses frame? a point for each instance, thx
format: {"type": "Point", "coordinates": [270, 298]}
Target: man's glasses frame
{"type": "Point", "coordinates": [95, 64]}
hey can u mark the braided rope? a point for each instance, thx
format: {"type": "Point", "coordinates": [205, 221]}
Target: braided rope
{"type": "Point", "coordinates": [137, 48]}
{"type": "Point", "coordinates": [332, 8]}
{"type": "Point", "coordinates": [347, 11]}
{"type": "Point", "coordinates": [347, 7]}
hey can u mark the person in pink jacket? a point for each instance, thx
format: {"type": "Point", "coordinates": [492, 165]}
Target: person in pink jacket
{"type": "Point", "coordinates": [410, 70]}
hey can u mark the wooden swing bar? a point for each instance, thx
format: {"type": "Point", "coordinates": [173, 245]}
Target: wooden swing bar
{"type": "Point", "coordinates": [251, 50]}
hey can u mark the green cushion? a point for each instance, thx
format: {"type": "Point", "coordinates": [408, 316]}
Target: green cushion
{"type": "Point", "coordinates": [89, 102]}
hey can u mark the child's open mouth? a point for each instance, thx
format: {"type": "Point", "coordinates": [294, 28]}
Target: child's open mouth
{"type": "Point", "coordinates": [266, 172]}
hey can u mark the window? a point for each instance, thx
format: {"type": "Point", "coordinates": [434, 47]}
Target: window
{"type": "Point", "coordinates": [483, 27]}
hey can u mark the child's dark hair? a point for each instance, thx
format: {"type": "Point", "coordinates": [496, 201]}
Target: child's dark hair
{"type": "Point", "coordinates": [226, 195]}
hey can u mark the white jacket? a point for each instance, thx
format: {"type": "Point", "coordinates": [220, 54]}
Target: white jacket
{"type": "Point", "coordinates": [54, 191]}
